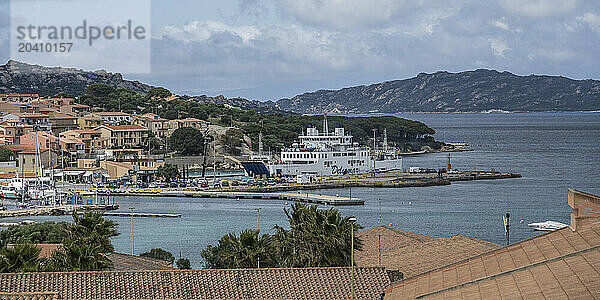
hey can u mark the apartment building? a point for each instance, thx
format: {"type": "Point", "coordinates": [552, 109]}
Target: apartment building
{"type": "Point", "coordinates": [13, 107]}
{"type": "Point", "coordinates": [157, 125]}
{"type": "Point", "coordinates": [112, 118]}
{"type": "Point", "coordinates": [12, 130]}
{"type": "Point", "coordinates": [62, 122]}
{"type": "Point", "coordinates": [30, 158]}
{"type": "Point", "coordinates": [75, 109]}
{"type": "Point", "coordinates": [42, 139]}
{"type": "Point", "coordinates": [19, 97]}
{"type": "Point", "coordinates": [92, 139]}
{"type": "Point", "coordinates": [40, 122]}
{"type": "Point", "coordinates": [120, 136]}
{"type": "Point", "coordinates": [88, 123]}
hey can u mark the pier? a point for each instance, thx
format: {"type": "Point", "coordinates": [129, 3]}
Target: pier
{"type": "Point", "coordinates": [288, 196]}
{"type": "Point", "coordinates": [141, 215]}
{"type": "Point", "coordinates": [53, 210]}
{"type": "Point", "coordinates": [301, 197]}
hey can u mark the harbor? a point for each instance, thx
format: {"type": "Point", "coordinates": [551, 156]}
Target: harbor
{"type": "Point", "coordinates": [231, 188]}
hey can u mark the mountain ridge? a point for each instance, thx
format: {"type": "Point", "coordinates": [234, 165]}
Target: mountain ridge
{"type": "Point", "coordinates": [468, 91]}
{"type": "Point", "coordinates": [19, 77]}
{"type": "Point", "coordinates": [442, 91]}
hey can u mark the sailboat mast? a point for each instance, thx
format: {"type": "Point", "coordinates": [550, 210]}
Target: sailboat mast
{"type": "Point", "coordinates": [385, 140]}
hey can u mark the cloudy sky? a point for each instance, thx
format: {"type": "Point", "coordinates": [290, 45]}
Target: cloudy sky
{"type": "Point", "coordinates": [269, 49]}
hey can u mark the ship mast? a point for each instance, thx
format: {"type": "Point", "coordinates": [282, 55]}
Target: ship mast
{"type": "Point", "coordinates": [385, 140]}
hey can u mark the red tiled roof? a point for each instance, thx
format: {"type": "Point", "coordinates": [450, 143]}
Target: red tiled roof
{"type": "Point", "coordinates": [28, 296]}
{"type": "Point", "coordinates": [19, 148]}
{"type": "Point", "coordinates": [412, 253]}
{"type": "Point", "coordinates": [111, 113]}
{"type": "Point", "coordinates": [125, 127]}
{"type": "Point", "coordinates": [79, 105]}
{"type": "Point", "coordinates": [29, 115]}
{"type": "Point", "coordinates": [128, 262]}
{"type": "Point", "coordinates": [559, 264]}
{"type": "Point", "coordinates": [91, 118]}
{"type": "Point", "coordinates": [56, 115]}
{"type": "Point", "coordinates": [284, 283]}
{"type": "Point", "coordinates": [48, 249]}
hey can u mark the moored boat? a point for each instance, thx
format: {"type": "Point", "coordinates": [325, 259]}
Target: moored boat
{"type": "Point", "coordinates": [547, 226]}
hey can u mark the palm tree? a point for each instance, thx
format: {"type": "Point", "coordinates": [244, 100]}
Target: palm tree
{"type": "Point", "coordinates": [78, 257]}
{"type": "Point", "coordinates": [20, 258]}
{"type": "Point", "coordinates": [245, 251]}
{"type": "Point", "coordinates": [316, 238]}
{"type": "Point", "coordinates": [92, 228]}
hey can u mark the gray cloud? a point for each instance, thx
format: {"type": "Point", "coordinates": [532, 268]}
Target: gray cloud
{"type": "Point", "coordinates": [317, 44]}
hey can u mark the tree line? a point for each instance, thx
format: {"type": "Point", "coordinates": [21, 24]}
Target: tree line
{"type": "Point", "coordinates": [83, 245]}
{"type": "Point", "coordinates": [278, 129]}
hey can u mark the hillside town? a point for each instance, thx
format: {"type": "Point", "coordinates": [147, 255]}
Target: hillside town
{"type": "Point", "coordinates": [60, 137]}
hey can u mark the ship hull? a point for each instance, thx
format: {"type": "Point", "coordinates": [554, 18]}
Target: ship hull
{"type": "Point", "coordinates": [336, 168]}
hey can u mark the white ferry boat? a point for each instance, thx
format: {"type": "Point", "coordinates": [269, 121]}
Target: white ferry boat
{"type": "Point", "coordinates": [333, 153]}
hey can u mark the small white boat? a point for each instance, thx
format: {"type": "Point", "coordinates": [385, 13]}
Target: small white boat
{"type": "Point", "coordinates": [547, 226]}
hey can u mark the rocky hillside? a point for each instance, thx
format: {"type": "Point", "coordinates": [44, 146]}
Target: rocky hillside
{"type": "Point", "coordinates": [241, 103]}
{"type": "Point", "coordinates": [471, 91]}
{"type": "Point", "coordinates": [17, 77]}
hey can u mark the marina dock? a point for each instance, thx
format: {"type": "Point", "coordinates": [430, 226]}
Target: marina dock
{"type": "Point", "coordinates": [141, 215]}
{"type": "Point", "coordinates": [287, 196]}
{"type": "Point", "coordinates": [301, 197]}
{"type": "Point", "coordinates": [53, 210]}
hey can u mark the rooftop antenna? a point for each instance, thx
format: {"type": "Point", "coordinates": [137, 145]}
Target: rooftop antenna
{"type": "Point", "coordinates": [325, 125]}
{"type": "Point", "coordinates": [506, 219]}
{"type": "Point", "coordinates": [379, 237]}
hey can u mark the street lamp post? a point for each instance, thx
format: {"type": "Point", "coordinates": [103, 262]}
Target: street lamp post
{"type": "Point", "coordinates": [132, 243]}
{"type": "Point", "coordinates": [352, 221]}
{"type": "Point", "coordinates": [258, 232]}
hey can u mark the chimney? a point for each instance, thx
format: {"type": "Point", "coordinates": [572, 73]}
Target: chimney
{"type": "Point", "coordinates": [586, 209]}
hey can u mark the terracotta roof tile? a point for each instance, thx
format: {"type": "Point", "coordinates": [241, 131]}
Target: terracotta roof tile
{"type": "Point", "coordinates": [416, 253]}
{"type": "Point", "coordinates": [561, 264]}
{"type": "Point", "coordinates": [297, 283]}
{"type": "Point", "coordinates": [545, 275]}
{"type": "Point", "coordinates": [127, 262]}
{"type": "Point", "coordinates": [533, 252]}
{"type": "Point", "coordinates": [548, 283]}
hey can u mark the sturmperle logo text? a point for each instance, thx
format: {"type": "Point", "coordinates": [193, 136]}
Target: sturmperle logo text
{"type": "Point", "coordinates": [90, 33]}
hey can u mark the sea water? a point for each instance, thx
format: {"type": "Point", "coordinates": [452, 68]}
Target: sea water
{"type": "Point", "coordinates": [553, 152]}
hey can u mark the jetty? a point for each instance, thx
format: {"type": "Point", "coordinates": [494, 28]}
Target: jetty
{"type": "Point", "coordinates": [298, 196]}
{"type": "Point", "coordinates": [141, 215]}
{"type": "Point", "coordinates": [54, 210]}
{"type": "Point", "coordinates": [228, 194]}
